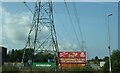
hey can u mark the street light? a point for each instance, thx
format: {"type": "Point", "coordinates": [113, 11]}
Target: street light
{"type": "Point", "coordinates": [109, 42]}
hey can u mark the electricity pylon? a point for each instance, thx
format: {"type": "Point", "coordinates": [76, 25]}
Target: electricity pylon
{"type": "Point", "coordinates": [42, 34]}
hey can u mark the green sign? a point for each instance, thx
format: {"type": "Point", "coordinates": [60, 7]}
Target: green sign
{"type": "Point", "coordinates": [43, 65]}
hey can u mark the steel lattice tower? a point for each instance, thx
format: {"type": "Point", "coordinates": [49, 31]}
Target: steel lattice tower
{"type": "Point", "coordinates": [42, 35]}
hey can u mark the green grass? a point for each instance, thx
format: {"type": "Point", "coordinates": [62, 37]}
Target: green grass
{"type": "Point", "coordinates": [13, 69]}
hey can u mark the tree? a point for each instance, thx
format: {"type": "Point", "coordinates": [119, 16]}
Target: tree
{"type": "Point", "coordinates": [105, 58]}
{"type": "Point", "coordinates": [41, 57]}
{"type": "Point", "coordinates": [115, 61]}
{"type": "Point", "coordinates": [97, 61]}
{"type": "Point", "coordinates": [16, 55]}
{"type": "Point", "coordinates": [11, 56]}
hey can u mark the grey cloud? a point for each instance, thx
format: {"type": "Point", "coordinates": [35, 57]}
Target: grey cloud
{"type": "Point", "coordinates": [67, 46]}
{"type": "Point", "coordinates": [15, 28]}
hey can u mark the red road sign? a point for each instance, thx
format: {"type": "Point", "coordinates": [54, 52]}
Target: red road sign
{"type": "Point", "coordinates": [72, 57]}
{"type": "Point", "coordinates": [72, 54]}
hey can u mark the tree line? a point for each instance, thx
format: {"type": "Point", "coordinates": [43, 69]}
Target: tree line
{"type": "Point", "coordinates": [115, 61]}
{"type": "Point", "coordinates": [16, 56]}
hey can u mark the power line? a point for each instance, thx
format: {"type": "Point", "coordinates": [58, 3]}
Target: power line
{"type": "Point", "coordinates": [63, 26]}
{"type": "Point", "coordinates": [77, 18]}
{"type": "Point", "coordinates": [63, 46]}
{"type": "Point", "coordinates": [78, 23]}
{"type": "Point", "coordinates": [71, 21]}
{"type": "Point", "coordinates": [28, 7]}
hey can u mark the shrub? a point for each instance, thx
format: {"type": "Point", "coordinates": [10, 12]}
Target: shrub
{"type": "Point", "coordinates": [10, 68]}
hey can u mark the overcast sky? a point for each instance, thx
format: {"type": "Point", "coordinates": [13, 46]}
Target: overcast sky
{"type": "Point", "coordinates": [63, 0]}
{"type": "Point", "coordinates": [16, 20]}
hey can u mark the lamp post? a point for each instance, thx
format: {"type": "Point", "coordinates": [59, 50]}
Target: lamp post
{"type": "Point", "coordinates": [109, 42]}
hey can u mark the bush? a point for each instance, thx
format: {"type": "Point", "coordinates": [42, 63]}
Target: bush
{"type": "Point", "coordinates": [10, 68]}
